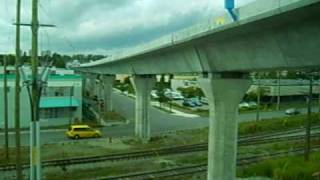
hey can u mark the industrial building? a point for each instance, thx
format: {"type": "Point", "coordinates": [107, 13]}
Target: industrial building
{"type": "Point", "coordinates": [60, 102]}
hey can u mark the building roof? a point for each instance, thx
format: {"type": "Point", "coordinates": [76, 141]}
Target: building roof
{"type": "Point", "coordinates": [51, 76]}
{"type": "Point", "coordinates": [58, 102]}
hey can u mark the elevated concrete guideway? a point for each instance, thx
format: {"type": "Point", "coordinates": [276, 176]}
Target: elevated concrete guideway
{"type": "Point", "coordinates": [270, 34]}
{"type": "Point", "coordinates": [273, 34]}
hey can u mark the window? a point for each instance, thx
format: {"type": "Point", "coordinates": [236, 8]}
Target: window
{"type": "Point", "coordinates": [51, 113]}
{"type": "Point", "coordinates": [82, 129]}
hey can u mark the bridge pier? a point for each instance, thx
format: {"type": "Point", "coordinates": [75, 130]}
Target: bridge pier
{"type": "Point", "coordinates": [92, 84]}
{"type": "Point", "coordinates": [86, 82]}
{"type": "Point", "coordinates": [143, 85]}
{"type": "Point", "coordinates": [224, 92]}
{"type": "Point", "coordinates": [107, 81]}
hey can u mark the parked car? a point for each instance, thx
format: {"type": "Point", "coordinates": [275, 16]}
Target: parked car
{"type": "Point", "coordinates": [248, 105]}
{"type": "Point", "coordinates": [196, 101]}
{"type": "Point", "coordinates": [174, 95]}
{"type": "Point", "coordinates": [252, 104]}
{"type": "Point", "coordinates": [154, 94]}
{"type": "Point", "coordinates": [292, 111]}
{"type": "Point", "coordinates": [167, 90]}
{"type": "Point", "coordinates": [189, 103]}
{"type": "Point", "coordinates": [82, 131]}
{"type": "Point", "coordinates": [204, 101]}
{"type": "Point", "coordinates": [244, 105]}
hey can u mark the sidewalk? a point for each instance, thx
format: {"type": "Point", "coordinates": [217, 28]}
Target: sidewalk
{"type": "Point", "coordinates": [26, 131]}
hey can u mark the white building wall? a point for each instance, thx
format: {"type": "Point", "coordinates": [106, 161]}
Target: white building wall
{"type": "Point", "coordinates": [25, 103]}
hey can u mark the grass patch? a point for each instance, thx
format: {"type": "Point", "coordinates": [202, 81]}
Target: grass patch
{"type": "Point", "coordinates": [193, 136]}
{"type": "Point", "coordinates": [12, 155]}
{"type": "Point", "coordinates": [71, 149]}
{"type": "Point", "coordinates": [199, 158]}
{"type": "Point", "coordinates": [286, 168]}
{"type": "Point", "coordinates": [102, 171]}
{"type": "Point", "coordinates": [113, 116]}
{"type": "Point", "coordinates": [276, 124]}
{"type": "Point", "coordinates": [275, 147]}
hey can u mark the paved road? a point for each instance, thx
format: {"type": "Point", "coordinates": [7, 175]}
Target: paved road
{"type": "Point", "coordinates": [160, 121]}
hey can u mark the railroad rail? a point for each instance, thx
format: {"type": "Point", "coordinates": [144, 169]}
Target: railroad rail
{"type": "Point", "coordinates": [153, 152]}
{"type": "Point", "coordinates": [273, 134]}
{"type": "Point", "coordinates": [201, 168]}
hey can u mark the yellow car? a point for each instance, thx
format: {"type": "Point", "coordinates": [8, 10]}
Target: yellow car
{"type": "Point", "coordinates": [82, 131]}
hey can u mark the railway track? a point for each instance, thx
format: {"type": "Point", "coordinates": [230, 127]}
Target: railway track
{"type": "Point", "coordinates": [246, 142]}
{"type": "Point", "coordinates": [274, 134]}
{"type": "Point", "coordinates": [156, 152]}
{"type": "Point", "coordinates": [201, 168]}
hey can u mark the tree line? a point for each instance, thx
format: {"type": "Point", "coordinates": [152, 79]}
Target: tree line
{"type": "Point", "coordinates": [59, 60]}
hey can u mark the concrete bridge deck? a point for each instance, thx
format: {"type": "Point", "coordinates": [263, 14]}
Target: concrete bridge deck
{"type": "Point", "coordinates": [269, 35]}
{"type": "Point", "coordinates": [273, 34]}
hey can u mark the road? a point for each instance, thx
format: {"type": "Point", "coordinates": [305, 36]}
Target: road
{"type": "Point", "coordinates": [160, 122]}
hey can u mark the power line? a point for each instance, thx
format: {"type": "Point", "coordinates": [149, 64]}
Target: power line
{"type": "Point", "coordinates": [66, 40]}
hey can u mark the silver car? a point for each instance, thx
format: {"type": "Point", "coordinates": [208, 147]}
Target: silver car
{"type": "Point", "coordinates": [292, 111]}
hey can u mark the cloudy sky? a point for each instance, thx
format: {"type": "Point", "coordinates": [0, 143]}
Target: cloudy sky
{"type": "Point", "coordinates": [104, 26]}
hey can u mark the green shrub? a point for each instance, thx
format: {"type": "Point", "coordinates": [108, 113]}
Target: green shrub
{"type": "Point", "coordinates": [287, 168]}
{"type": "Point", "coordinates": [276, 124]}
{"type": "Point", "coordinates": [113, 116]}
{"type": "Point", "coordinates": [252, 128]}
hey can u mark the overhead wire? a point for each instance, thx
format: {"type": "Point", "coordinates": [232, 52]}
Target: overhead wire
{"type": "Point", "coordinates": [48, 13]}
{"type": "Point", "coordinates": [25, 15]}
{"type": "Point", "coordinates": [209, 9]}
{"type": "Point", "coordinates": [10, 35]}
{"type": "Point", "coordinates": [6, 8]}
{"type": "Point", "coordinates": [44, 38]}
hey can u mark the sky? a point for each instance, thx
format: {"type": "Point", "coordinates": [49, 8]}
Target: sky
{"type": "Point", "coordinates": [103, 26]}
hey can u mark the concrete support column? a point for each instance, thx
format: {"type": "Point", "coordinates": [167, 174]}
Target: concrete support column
{"type": "Point", "coordinates": [224, 93]}
{"type": "Point", "coordinates": [107, 81]}
{"type": "Point", "coordinates": [143, 85]}
{"type": "Point", "coordinates": [84, 84]}
{"type": "Point", "coordinates": [99, 91]}
{"type": "Point", "coordinates": [92, 84]}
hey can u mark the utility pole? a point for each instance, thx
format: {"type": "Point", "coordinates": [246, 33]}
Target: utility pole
{"type": "Point", "coordinates": [278, 97]}
{"type": "Point", "coordinates": [35, 162]}
{"type": "Point", "coordinates": [100, 85]}
{"type": "Point", "coordinates": [17, 95]}
{"type": "Point", "coordinates": [319, 101]}
{"type": "Point", "coordinates": [258, 98]}
{"type": "Point", "coordinates": [5, 114]}
{"type": "Point", "coordinates": [70, 104]}
{"type": "Point", "coordinates": [35, 93]}
{"type": "Point", "coordinates": [308, 121]}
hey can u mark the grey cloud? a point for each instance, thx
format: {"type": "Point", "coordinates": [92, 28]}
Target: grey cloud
{"type": "Point", "coordinates": [103, 25]}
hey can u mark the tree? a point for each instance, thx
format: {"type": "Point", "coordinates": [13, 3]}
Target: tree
{"type": "Point", "coordinates": [160, 88]}
{"type": "Point", "coordinates": [57, 60]}
{"type": "Point", "coordinates": [127, 85]}
{"type": "Point", "coordinates": [190, 92]}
